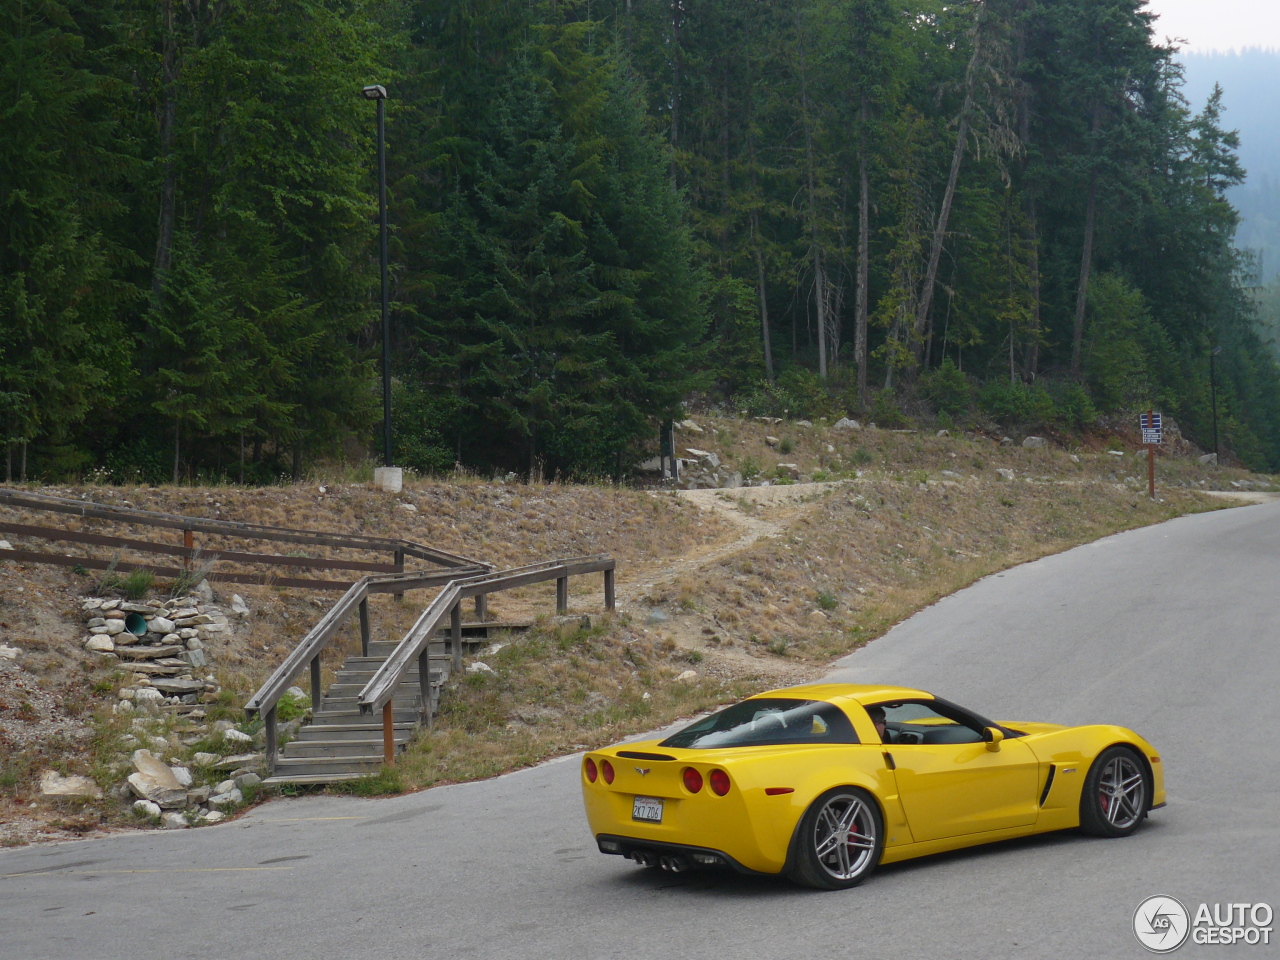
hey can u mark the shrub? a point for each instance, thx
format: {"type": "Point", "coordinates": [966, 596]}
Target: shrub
{"type": "Point", "coordinates": [827, 600]}
{"type": "Point", "coordinates": [1015, 402]}
{"type": "Point", "coordinates": [862, 456]}
{"type": "Point", "coordinates": [947, 388]}
{"type": "Point", "coordinates": [137, 583]}
{"type": "Point", "coordinates": [785, 447]}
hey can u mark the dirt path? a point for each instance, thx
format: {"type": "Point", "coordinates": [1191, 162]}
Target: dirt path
{"type": "Point", "coordinates": [759, 513]}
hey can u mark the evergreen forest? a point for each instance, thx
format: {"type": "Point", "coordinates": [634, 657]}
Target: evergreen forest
{"type": "Point", "coordinates": [900, 210]}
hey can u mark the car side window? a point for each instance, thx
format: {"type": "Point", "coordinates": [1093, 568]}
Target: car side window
{"type": "Point", "coordinates": [917, 722]}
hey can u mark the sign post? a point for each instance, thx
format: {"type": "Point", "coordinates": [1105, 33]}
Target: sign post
{"type": "Point", "coordinates": [1152, 433]}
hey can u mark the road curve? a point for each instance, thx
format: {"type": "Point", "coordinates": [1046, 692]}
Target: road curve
{"type": "Point", "coordinates": [1171, 630]}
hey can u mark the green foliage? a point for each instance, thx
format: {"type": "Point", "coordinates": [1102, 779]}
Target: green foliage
{"type": "Point", "coordinates": [1127, 351]}
{"type": "Point", "coordinates": [947, 389]}
{"type": "Point", "coordinates": [862, 456]}
{"type": "Point", "coordinates": [136, 584]}
{"type": "Point", "coordinates": [1016, 402]}
{"type": "Point", "coordinates": [292, 707]}
{"type": "Point", "coordinates": [827, 600]}
{"type": "Point", "coordinates": [384, 783]}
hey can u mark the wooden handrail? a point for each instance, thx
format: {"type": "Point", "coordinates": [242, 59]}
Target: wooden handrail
{"type": "Point", "coordinates": [382, 685]}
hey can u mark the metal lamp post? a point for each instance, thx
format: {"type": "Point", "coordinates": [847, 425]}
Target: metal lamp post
{"type": "Point", "coordinates": [379, 93]}
{"type": "Point", "coordinates": [1213, 396]}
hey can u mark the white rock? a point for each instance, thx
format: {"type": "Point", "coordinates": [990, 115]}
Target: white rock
{"type": "Point", "coordinates": [174, 821]}
{"type": "Point", "coordinates": [226, 786]}
{"type": "Point", "coordinates": [110, 604]}
{"type": "Point", "coordinates": [1006, 441]}
{"type": "Point", "coordinates": [412, 508]}
{"type": "Point", "coordinates": [237, 736]}
{"type": "Point", "coordinates": [123, 707]}
{"type": "Point", "coordinates": [1116, 453]}
{"type": "Point", "coordinates": [205, 759]}
{"type": "Point", "coordinates": [161, 625]}
{"type": "Point", "coordinates": [9, 653]}
{"type": "Point", "coordinates": [772, 441]}
{"type": "Point", "coordinates": [297, 693]}
{"type": "Point", "coordinates": [213, 816]}
{"type": "Point", "coordinates": [1074, 458]}
{"type": "Point", "coordinates": [112, 627]}
{"type": "Point", "coordinates": [222, 726]}
{"type": "Point", "coordinates": [1209, 459]}
{"type": "Point", "coordinates": [688, 675]}
{"type": "Point", "coordinates": [844, 423]}
{"type": "Point", "coordinates": [646, 696]}
{"type": "Point", "coordinates": [204, 591]}
{"type": "Point", "coordinates": [690, 426]}
{"type": "Point", "coordinates": [5, 545]}
{"type": "Point", "coordinates": [182, 775]}
{"type": "Point", "coordinates": [479, 667]}
{"type": "Point", "coordinates": [248, 780]}
{"type": "Point", "coordinates": [1005, 472]}
{"type": "Point", "coordinates": [238, 606]}
{"type": "Point", "coordinates": [943, 433]}
{"type": "Point", "coordinates": [792, 470]}
{"type": "Point", "coordinates": [804, 423]}
{"type": "Point", "coordinates": [146, 808]}
{"type": "Point", "coordinates": [100, 644]}
{"type": "Point", "coordinates": [54, 784]}
{"type": "Point", "coordinates": [146, 694]}
{"type": "Point", "coordinates": [1035, 443]}
{"type": "Point", "coordinates": [229, 799]}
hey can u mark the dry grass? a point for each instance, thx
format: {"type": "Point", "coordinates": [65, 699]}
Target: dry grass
{"type": "Point", "coordinates": [751, 589]}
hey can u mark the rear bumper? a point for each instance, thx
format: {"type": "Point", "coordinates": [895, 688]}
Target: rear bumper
{"type": "Point", "coordinates": [619, 846]}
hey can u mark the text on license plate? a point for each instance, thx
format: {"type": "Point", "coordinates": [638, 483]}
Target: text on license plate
{"type": "Point", "coordinates": [647, 808]}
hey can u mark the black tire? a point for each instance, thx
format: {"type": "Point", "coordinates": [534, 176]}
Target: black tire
{"type": "Point", "coordinates": [836, 869]}
{"type": "Point", "coordinates": [1117, 793]}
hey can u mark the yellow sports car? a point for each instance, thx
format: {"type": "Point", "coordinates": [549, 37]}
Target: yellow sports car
{"type": "Point", "coordinates": [823, 782]}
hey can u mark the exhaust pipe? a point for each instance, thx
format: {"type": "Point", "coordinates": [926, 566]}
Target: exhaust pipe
{"type": "Point", "coordinates": [675, 864]}
{"type": "Point", "coordinates": [643, 858]}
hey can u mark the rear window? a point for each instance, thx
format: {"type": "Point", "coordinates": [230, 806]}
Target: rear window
{"type": "Point", "coordinates": [767, 721]}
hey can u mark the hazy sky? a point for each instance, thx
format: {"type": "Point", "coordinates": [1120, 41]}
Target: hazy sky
{"type": "Point", "coordinates": [1219, 24]}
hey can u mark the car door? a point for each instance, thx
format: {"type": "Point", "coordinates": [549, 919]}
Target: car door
{"type": "Point", "coordinates": [950, 782]}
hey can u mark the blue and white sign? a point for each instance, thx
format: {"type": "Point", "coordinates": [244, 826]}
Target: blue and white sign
{"type": "Point", "coordinates": [1151, 427]}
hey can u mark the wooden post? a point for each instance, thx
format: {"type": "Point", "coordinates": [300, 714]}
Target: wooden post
{"type": "Point", "coordinates": [364, 627]}
{"type": "Point", "coordinates": [482, 607]}
{"type": "Point", "coordinates": [1151, 458]}
{"type": "Point", "coordinates": [271, 740]}
{"type": "Point", "coordinates": [315, 685]}
{"type": "Point", "coordinates": [388, 732]}
{"type": "Point", "coordinates": [455, 635]}
{"type": "Point", "coordinates": [399, 562]}
{"type": "Point", "coordinates": [562, 595]}
{"type": "Point", "coordinates": [424, 683]}
{"type": "Point", "coordinates": [609, 600]}
{"type": "Point", "coordinates": [189, 544]}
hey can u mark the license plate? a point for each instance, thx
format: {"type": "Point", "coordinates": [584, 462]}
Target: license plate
{"type": "Point", "coordinates": [647, 808]}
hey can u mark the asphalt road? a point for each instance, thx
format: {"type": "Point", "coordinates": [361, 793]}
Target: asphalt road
{"type": "Point", "coordinates": [1171, 630]}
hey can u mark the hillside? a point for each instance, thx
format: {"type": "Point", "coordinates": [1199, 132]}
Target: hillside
{"type": "Point", "coordinates": [721, 592]}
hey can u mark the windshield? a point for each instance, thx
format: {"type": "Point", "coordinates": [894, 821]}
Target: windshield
{"type": "Point", "coordinates": [766, 721]}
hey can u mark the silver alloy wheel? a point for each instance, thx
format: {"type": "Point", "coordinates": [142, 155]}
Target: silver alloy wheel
{"type": "Point", "coordinates": [844, 836]}
{"type": "Point", "coordinates": [1122, 792]}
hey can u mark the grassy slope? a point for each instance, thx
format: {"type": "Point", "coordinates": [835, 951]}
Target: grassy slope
{"type": "Point", "coordinates": [750, 589]}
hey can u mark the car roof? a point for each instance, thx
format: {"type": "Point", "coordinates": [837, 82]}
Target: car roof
{"type": "Point", "coordinates": [860, 693]}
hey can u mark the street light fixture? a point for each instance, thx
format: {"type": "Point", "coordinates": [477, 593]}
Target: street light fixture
{"type": "Point", "coordinates": [379, 93]}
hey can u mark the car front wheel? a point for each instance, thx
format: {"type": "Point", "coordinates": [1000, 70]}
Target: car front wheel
{"type": "Point", "coordinates": [1116, 794]}
{"type": "Point", "coordinates": [839, 841]}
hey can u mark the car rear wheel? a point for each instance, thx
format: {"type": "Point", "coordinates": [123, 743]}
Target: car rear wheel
{"type": "Point", "coordinates": [1117, 794]}
{"type": "Point", "coordinates": [839, 841]}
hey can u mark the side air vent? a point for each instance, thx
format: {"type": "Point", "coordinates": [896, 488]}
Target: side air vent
{"type": "Point", "coordinates": [637, 755]}
{"type": "Point", "coordinates": [1048, 783]}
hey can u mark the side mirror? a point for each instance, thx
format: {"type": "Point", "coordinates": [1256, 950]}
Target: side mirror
{"type": "Point", "coordinates": [992, 736]}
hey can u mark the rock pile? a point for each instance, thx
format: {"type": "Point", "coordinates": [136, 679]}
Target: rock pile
{"type": "Point", "coordinates": [170, 794]}
{"type": "Point", "coordinates": [163, 643]}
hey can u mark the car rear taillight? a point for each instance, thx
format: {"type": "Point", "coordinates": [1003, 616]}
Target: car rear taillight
{"type": "Point", "coordinates": [692, 780]}
{"type": "Point", "coordinates": [607, 769]}
{"type": "Point", "coordinates": [590, 767]}
{"type": "Point", "coordinates": [719, 782]}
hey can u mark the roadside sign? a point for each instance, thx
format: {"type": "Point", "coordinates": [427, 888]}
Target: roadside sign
{"type": "Point", "coordinates": [1152, 429]}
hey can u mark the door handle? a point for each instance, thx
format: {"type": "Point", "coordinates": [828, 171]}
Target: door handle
{"type": "Point", "coordinates": [888, 761]}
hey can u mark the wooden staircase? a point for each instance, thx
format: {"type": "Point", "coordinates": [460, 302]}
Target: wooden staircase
{"type": "Point", "coordinates": [340, 743]}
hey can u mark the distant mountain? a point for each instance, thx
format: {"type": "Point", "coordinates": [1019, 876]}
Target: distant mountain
{"type": "Point", "coordinates": [1250, 82]}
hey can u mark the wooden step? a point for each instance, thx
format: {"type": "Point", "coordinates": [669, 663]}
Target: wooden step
{"type": "Point", "coordinates": [339, 748]}
{"type": "Point", "coordinates": [313, 778]}
{"type": "Point", "coordinates": [348, 715]}
{"type": "Point", "coordinates": [350, 731]}
{"type": "Point", "coordinates": [311, 766]}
